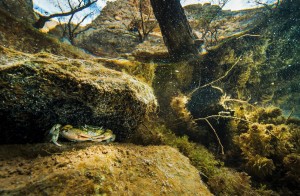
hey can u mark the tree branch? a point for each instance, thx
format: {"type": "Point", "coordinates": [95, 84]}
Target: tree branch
{"type": "Point", "coordinates": [214, 130]}
{"type": "Point", "coordinates": [43, 19]}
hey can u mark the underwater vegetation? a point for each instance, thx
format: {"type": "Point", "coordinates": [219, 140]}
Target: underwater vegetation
{"type": "Point", "coordinates": [261, 146]}
{"type": "Point", "coordinates": [269, 145]}
{"type": "Point", "coordinates": [260, 141]}
{"type": "Point", "coordinates": [220, 179]}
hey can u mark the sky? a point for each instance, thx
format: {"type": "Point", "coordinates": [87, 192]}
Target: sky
{"type": "Point", "coordinates": [51, 6]}
{"type": "Point", "coordinates": [47, 7]}
{"type": "Point", "coordinates": [231, 5]}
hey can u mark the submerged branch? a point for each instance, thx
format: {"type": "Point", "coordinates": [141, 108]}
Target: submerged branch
{"type": "Point", "coordinates": [219, 141]}
{"type": "Point", "coordinates": [248, 35]}
{"type": "Point", "coordinates": [290, 114]}
{"type": "Point", "coordinates": [222, 116]}
{"type": "Point", "coordinates": [217, 80]}
{"type": "Point", "coordinates": [214, 130]}
{"type": "Point", "coordinates": [241, 102]}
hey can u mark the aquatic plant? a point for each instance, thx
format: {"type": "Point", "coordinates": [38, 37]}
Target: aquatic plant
{"type": "Point", "coordinates": [268, 143]}
{"type": "Point", "coordinates": [264, 138]}
{"type": "Point", "coordinates": [178, 104]}
{"type": "Point", "coordinates": [142, 71]}
{"type": "Point", "coordinates": [291, 163]}
{"type": "Point", "coordinates": [230, 182]}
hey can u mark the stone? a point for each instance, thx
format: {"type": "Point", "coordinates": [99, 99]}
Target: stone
{"type": "Point", "coordinates": [89, 169]}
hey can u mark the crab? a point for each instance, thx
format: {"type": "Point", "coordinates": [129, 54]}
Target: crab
{"type": "Point", "coordinates": [84, 133]}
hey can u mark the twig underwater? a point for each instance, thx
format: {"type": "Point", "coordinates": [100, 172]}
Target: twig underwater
{"type": "Point", "coordinates": [216, 80]}
{"type": "Point", "coordinates": [214, 130]}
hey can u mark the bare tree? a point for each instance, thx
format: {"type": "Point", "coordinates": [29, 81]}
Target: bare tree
{"type": "Point", "coordinates": [204, 20]}
{"type": "Point", "coordinates": [143, 21]}
{"type": "Point", "coordinates": [81, 5]}
{"type": "Point", "coordinates": [213, 31]}
{"type": "Point", "coordinates": [207, 21]}
{"type": "Point", "coordinates": [265, 4]}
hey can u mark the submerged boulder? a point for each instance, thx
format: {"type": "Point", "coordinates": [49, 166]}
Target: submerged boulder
{"type": "Point", "coordinates": [37, 91]}
{"type": "Point", "coordinates": [89, 169]}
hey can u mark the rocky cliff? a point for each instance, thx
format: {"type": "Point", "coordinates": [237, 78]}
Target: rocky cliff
{"type": "Point", "coordinates": [19, 35]}
{"type": "Point", "coordinates": [19, 9]}
{"type": "Point", "coordinates": [110, 35]}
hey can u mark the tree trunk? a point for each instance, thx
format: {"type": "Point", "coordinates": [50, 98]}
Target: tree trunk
{"type": "Point", "coordinates": [175, 28]}
{"type": "Point", "coordinates": [41, 22]}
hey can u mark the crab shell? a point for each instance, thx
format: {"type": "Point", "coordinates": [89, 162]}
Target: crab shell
{"type": "Point", "coordinates": [78, 135]}
{"type": "Point", "coordinates": [74, 134]}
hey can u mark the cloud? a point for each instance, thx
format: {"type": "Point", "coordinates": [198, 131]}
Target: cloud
{"type": "Point", "coordinates": [238, 5]}
{"type": "Point", "coordinates": [48, 5]}
{"type": "Point", "coordinates": [231, 5]}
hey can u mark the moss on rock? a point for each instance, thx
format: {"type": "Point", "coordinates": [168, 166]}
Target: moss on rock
{"type": "Point", "coordinates": [40, 90]}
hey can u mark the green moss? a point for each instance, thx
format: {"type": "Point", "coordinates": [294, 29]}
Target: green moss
{"type": "Point", "coordinates": [291, 163]}
{"type": "Point", "coordinates": [269, 144]}
{"type": "Point", "coordinates": [143, 71]}
{"type": "Point", "coordinates": [230, 182]}
{"type": "Point", "coordinates": [200, 157]}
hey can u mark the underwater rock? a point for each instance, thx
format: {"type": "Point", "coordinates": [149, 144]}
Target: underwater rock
{"type": "Point", "coordinates": [38, 91]}
{"type": "Point", "coordinates": [88, 169]}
